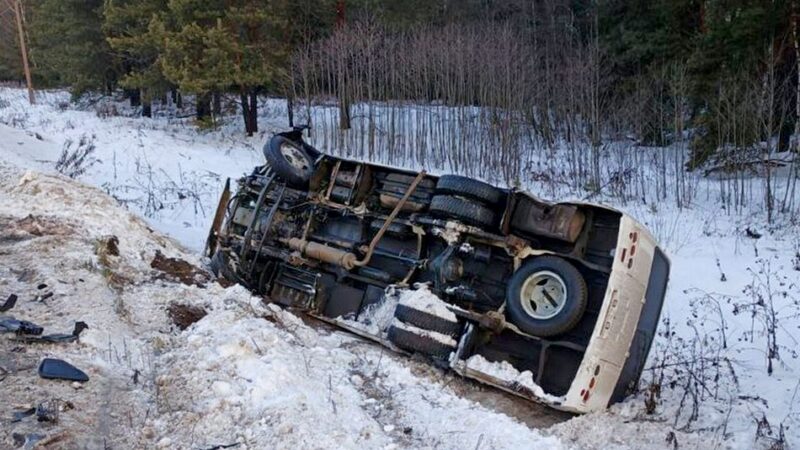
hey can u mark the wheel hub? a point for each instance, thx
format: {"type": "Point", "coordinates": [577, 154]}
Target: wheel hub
{"type": "Point", "coordinates": [294, 157]}
{"type": "Point", "coordinates": [543, 295]}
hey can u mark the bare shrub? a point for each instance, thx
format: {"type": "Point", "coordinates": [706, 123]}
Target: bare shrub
{"type": "Point", "coordinates": [106, 110]}
{"type": "Point", "coordinates": [770, 301]}
{"type": "Point", "coordinates": [692, 365]}
{"type": "Point", "coordinates": [539, 106]}
{"type": "Point", "coordinates": [76, 159]}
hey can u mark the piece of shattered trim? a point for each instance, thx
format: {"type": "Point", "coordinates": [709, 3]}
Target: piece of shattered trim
{"type": "Point", "coordinates": [222, 446]}
{"type": "Point", "coordinates": [27, 441]}
{"type": "Point", "coordinates": [57, 369]}
{"type": "Point", "coordinates": [9, 303]}
{"type": "Point", "coordinates": [55, 337]}
{"type": "Point", "coordinates": [19, 415]}
{"type": "Point", "coordinates": [10, 324]}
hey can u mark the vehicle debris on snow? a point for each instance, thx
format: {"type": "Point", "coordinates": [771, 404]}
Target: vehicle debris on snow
{"type": "Point", "coordinates": [23, 327]}
{"type": "Point", "coordinates": [57, 369]}
{"type": "Point", "coordinates": [55, 338]}
{"type": "Point", "coordinates": [9, 303]}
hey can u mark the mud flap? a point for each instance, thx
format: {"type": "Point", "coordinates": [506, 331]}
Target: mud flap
{"type": "Point", "coordinates": [219, 216]}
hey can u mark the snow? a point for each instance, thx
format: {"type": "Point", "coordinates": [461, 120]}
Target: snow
{"type": "Point", "coordinates": [261, 376]}
{"type": "Point", "coordinates": [161, 169]}
{"type": "Point", "coordinates": [439, 337]}
{"type": "Point", "coordinates": [449, 234]}
{"type": "Point", "coordinates": [375, 318]}
{"type": "Point", "coordinates": [422, 299]}
{"type": "Point", "coordinates": [504, 371]}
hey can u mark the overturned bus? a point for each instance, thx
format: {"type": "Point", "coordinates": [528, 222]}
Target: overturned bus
{"type": "Point", "coordinates": [565, 296]}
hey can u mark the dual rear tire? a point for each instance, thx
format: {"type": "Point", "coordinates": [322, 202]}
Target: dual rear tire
{"type": "Point", "coordinates": [423, 332]}
{"type": "Point", "coordinates": [467, 200]}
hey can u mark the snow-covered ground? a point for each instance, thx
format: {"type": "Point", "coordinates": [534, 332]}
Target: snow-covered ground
{"type": "Point", "coordinates": [722, 374]}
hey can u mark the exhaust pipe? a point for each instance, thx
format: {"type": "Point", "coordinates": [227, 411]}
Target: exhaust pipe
{"type": "Point", "coordinates": [331, 255]}
{"type": "Point", "coordinates": [322, 252]}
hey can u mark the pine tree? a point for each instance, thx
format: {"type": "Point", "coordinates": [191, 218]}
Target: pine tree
{"type": "Point", "coordinates": [136, 38]}
{"type": "Point", "coordinates": [10, 65]}
{"type": "Point", "coordinates": [68, 45]}
{"type": "Point", "coordinates": [218, 46]}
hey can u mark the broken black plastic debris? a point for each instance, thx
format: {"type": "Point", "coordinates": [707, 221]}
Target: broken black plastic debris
{"type": "Point", "coordinates": [63, 337]}
{"type": "Point", "coordinates": [45, 412]}
{"type": "Point", "coordinates": [26, 441]}
{"type": "Point", "coordinates": [9, 303]}
{"type": "Point", "coordinates": [222, 446]}
{"type": "Point", "coordinates": [10, 324]}
{"type": "Point", "coordinates": [19, 415]}
{"type": "Point", "coordinates": [57, 369]}
{"type": "Point", "coordinates": [55, 337]}
{"type": "Point", "coordinates": [41, 286]}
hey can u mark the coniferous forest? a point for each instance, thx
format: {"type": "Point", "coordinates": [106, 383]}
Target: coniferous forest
{"type": "Point", "coordinates": [716, 77]}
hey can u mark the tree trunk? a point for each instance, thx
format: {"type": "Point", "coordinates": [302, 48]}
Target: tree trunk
{"type": "Point", "coordinates": [147, 108]}
{"type": "Point", "coordinates": [344, 113]}
{"type": "Point", "coordinates": [785, 133]}
{"type": "Point", "coordinates": [203, 106]}
{"type": "Point", "coordinates": [796, 43]}
{"type": "Point", "coordinates": [147, 103]}
{"type": "Point", "coordinates": [134, 96]}
{"type": "Point", "coordinates": [290, 109]}
{"type": "Point", "coordinates": [253, 112]}
{"type": "Point", "coordinates": [177, 98]}
{"type": "Point", "coordinates": [340, 13]}
{"type": "Point", "coordinates": [217, 104]}
{"type": "Point", "coordinates": [245, 110]}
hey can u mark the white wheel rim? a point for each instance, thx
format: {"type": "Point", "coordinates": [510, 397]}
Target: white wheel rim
{"type": "Point", "coordinates": [543, 295]}
{"type": "Point", "coordinates": [294, 157]}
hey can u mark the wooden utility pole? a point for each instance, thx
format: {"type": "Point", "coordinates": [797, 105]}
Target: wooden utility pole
{"type": "Point", "coordinates": [340, 13]}
{"type": "Point", "coordinates": [23, 49]}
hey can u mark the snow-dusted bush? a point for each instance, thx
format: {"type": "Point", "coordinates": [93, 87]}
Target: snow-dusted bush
{"type": "Point", "coordinates": [75, 159]}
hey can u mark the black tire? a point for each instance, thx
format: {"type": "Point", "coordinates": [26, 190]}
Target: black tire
{"type": "Point", "coordinates": [427, 321]}
{"type": "Point", "coordinates": [462, 209]}
{"type": "Point", "coordinates": [295, 172]}
{"type": "Point", "coordinates": [574, 304]}
{"type": "Point", "coordinates": [416, 343]}
{"type": "Point", "coordinates": [469, 188]}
